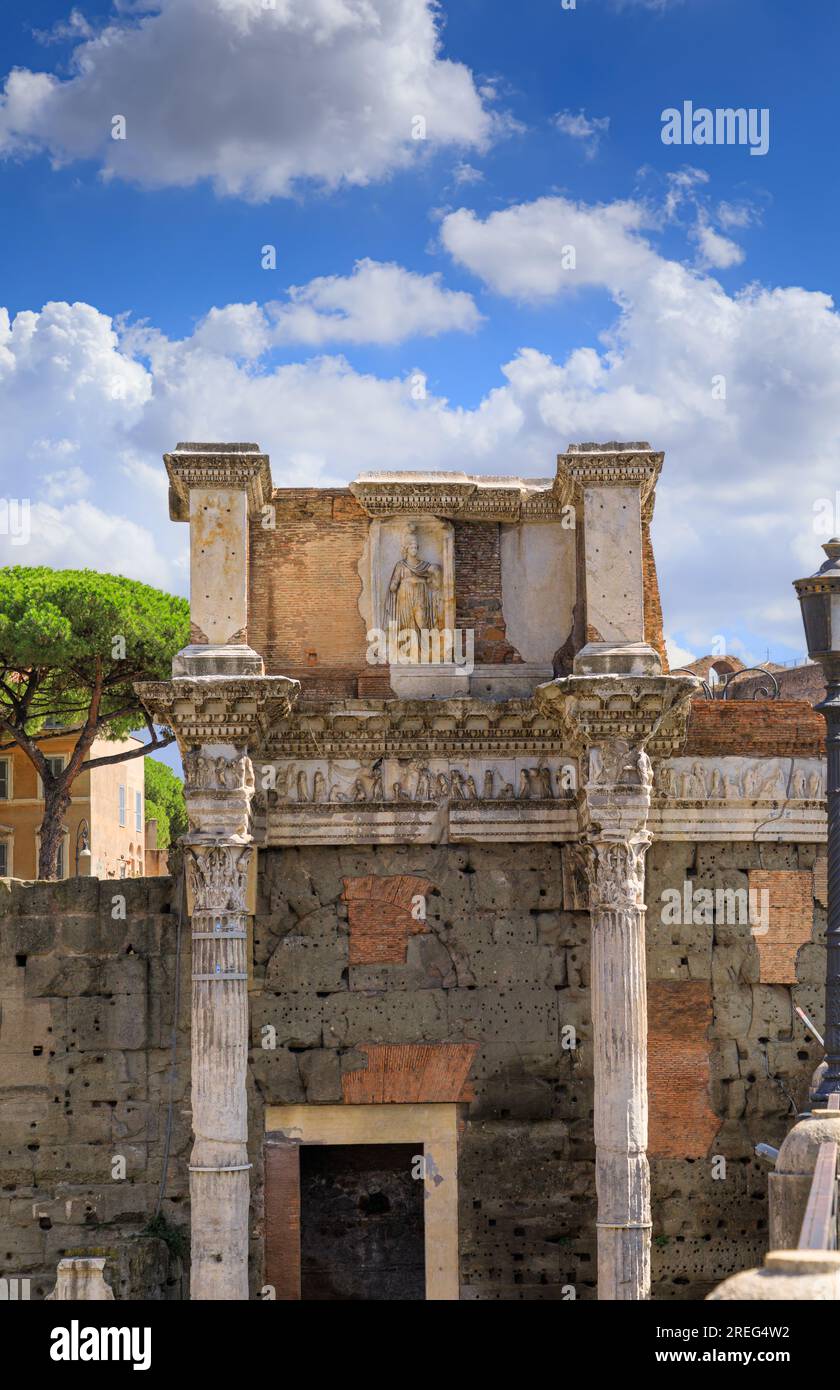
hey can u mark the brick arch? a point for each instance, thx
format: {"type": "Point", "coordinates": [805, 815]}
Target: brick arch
{"type": "Point", "coordinates": [379, 910]}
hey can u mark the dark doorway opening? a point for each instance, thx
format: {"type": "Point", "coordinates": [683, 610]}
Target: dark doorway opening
{"type": "Point", "coordinates": [361, 1223]}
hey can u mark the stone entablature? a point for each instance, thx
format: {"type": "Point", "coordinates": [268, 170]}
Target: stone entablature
{"type": "Point", "coordinates": [463, 496]}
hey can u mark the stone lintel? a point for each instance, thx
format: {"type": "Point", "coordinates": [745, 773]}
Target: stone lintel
{"type": "Point", "coordinates": [231, 467]}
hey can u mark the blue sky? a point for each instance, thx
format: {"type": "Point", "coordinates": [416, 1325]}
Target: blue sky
{"type": "Point", "coordinates": [290, 126]}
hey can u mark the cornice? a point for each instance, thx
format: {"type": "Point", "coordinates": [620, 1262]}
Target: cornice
{"type": "Point", "coordinates": [218, 709]}
{"type": "Point", "coordinates": [412, 728]}
{"type": "Point", "coordinates": [232, 466]}
{"type": "Point", "coordinates": [461, 496]}
{"type": "Point", "coordinates": [649, 712]}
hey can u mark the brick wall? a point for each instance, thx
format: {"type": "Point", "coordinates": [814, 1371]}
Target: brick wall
{"type": "Point", "coordinates": [304, 587]}
{"type": "Point", "coordinates": [654, 634]}
{"type": "Point", "coordinates": [758, 728]}
{"type": "Point", "coordinates": [478, 579]}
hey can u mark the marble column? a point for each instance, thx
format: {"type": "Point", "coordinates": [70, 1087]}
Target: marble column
{"type": "Point", "coordinates": [219, 704]}
{"type": "Point", "coordinates": [617, 800]}
{"type": "Point", "coordinates": [612, 721]}
{"type": "Point", "coordinates": [219, 1186]}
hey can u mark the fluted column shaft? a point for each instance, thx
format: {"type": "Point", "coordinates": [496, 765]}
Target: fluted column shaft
{"type": "Point", "coordinates": [219, 1183]}
{"type": "Point", "coordinates": [619, 1022]}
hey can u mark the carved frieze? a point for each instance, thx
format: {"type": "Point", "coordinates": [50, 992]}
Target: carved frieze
{"type": "Point", "coordinates": [649, 712]}
{"type": "Point", "coordinates": [214, 466]}
{"type": "Point", "coordinates": [218, 709]}
{"type": "Point", "coordinates": [324, 782]}
{"type": "Point", "coordinates": [741, 779]}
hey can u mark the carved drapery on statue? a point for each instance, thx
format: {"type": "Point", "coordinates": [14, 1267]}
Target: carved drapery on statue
{"type": "Point", "coordinates": [414, 601]}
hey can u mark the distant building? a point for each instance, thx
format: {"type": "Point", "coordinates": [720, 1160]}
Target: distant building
{"type": "Point", "coordinates": [106, 815]}
{"type": "Point", "coordinates": [802, 682]}
{"type": "Point", "coordinates": [156, 859]}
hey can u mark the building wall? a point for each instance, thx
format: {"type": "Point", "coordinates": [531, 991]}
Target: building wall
{"type": "Point", "coordinates": [95, 800]}
{"type": "Point", "coordinates": [347, 979]}
{"type": "Point", "coordinates": [369, 1003]}
{"type": "Point", "coordinates": [304, 588]}
{"type": "Point", "coordinates": [114, 847]}
{"type": "Point", "coordinates": [86, 1013]}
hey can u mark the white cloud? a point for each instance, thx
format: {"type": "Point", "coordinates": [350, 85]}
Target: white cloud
{"type": "Point", "coordinates": [84, 536]}
{"type": "Point", "coordinates": [255, 99]}
{"type": "Point", "coordinates": [716, 250]}
{"type": "Point", "coordinates": [519, 251]}
{"type": "Point", "coordinates": [378, 303]}
{"type": "Point", "coordinates": [465, 173]}
{"type": "Point", "coordinates": [587, 129]}
{"type": "Point", "coordinates": [678, 656]}
{"type": "Point", "coordinates": [67, 482]}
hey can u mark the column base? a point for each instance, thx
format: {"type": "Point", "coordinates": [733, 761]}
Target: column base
{"type": "Point", "coordinates": [201, 659]}
{"type": "Point", "coordinates": [617, 659]}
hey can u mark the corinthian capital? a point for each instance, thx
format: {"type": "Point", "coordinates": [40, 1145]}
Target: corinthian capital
{"type": "Point", "coordinates": [218, 877]}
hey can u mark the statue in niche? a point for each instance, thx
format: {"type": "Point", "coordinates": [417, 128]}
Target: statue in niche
{"type": "Point", "coordinates": [319, 790]}
{"type": "Point", "coordinates": [457, 786]}
{"type": "Point", "coordinates": [524, 784]}
{"type": "Point", "coordinates": [815, 786]}
{"type": "Point", "coordinates": [487, 789]}
{"type": "Point", "coordinates": [442, 784]}
{"type": "Point", "coordinates": [359, 793]}
{"type": "Point", "coordinates": [470, 792]}
{"type": "Point", "coordinates": [424, 785]}
{"type": "Point", "coordinates": [546, 789]}
{"type": "Point", "coordinates": [302, 788]}
{"type": "Point", "coordinates": [377, 793]}
{"type": "Point", "coordinates": [718, 786]}
{"type": "Point", "coordinates": [414, 603]}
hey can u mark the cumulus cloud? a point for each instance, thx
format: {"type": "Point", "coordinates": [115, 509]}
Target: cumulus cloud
{"type": "Point", "coordinates": [378, 303]}
{"type": "Point", "coordinates": [519, 252]}
{"type": "Point", "coordinates": [258, 100]}
{"type": "Point", "coordinates": [740, 389]}
{"type": "Point", "coordinates": [587, 129]}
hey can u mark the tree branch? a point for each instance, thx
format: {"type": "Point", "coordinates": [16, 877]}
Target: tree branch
{"type": "Point", "coordinates": [124, 757]}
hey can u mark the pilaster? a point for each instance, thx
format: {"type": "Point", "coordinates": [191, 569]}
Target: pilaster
{"type": "Point", "coordinates": [614, 484]}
